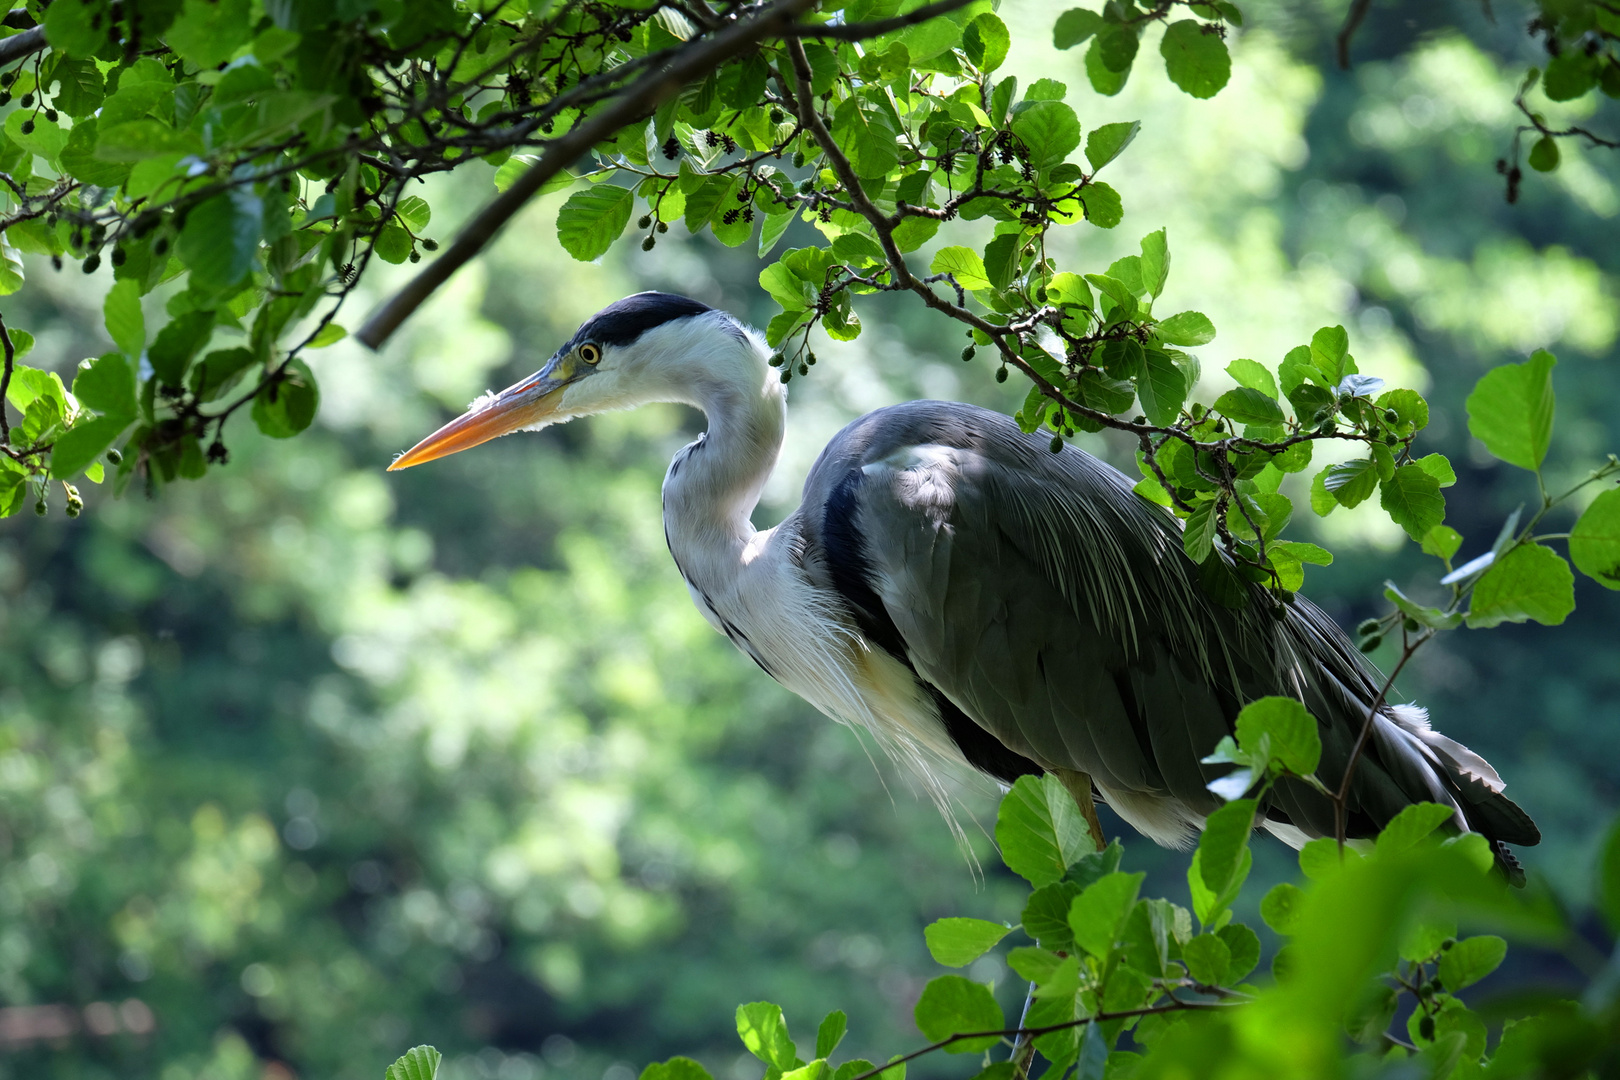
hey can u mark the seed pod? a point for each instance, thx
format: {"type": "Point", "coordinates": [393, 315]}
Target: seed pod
{"type": "Point", "coordinates": [119, 256]}
{"type": "Point", "coordinates": [114, 457]}
{"type": "Point", "coordinates": [415, 256]}
{"type": "Point", "coordinates": [1371, 644]}
{"type": "Point", "coordinates": [1368, 626]}
{"type": "Point", "coordinates": [776, 360]}
{"type": "Point", "coordinates": [1410, 625]}
{"type": "Point", "coordinates": [648, 243]}
{"type": "Point", "coordinates": [1057, 444]}
{"type": "Point", "coordinates": [430, 245]}
{"type": "Point", "coordinates": [28, 127]}
{"type": "Point", "coordinates": [92, 264]}
{"type": "Point", "coordinates": [1327, 427]}
{"type": "Point", "coordinates": [810, 357]}
{"type": "Point", "coordinates": [50, 114]}
{"type": "Point", "coordinates": [661, 227]}
{"type": "Point", "coordinates": [1391, 416]}
{"type": "Point", "coordinates": [787, 373]}
{"type": "Point", "coordinates": [27, 101]}
{"type": "Point", "coordinates": [969, 352]}
{"type": "Point", "coordinates": [41, 508]}
{"type": "Point", "coordinates": [1001, 373]}
{"type": "Point", "coordinates": [644, 221]}
{"type": "Point", "coordinates": [1426, 1028]}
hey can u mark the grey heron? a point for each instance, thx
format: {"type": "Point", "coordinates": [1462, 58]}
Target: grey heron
{"type": "Point", "coordinates": [956, 588]}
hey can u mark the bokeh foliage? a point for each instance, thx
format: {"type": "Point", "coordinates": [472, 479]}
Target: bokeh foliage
{"type": "Point", "coordinates": [201, 685]}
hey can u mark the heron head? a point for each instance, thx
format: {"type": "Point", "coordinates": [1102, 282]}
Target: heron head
{"type": "Point", "coordinates": [618, 359]}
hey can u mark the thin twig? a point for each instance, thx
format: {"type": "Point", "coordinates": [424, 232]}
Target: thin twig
{"type": "Point", "coordinates": [1352, 22]}
{"type": "Point", "coordinates": [1035, 1032]}
{"type": "Point", "coordinates": [1342, 796]}
{"type": "Point", "coordinates": [5, 382]}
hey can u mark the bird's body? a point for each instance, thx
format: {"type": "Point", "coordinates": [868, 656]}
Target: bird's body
{"type": "Point", "coordinates": [965, 594]}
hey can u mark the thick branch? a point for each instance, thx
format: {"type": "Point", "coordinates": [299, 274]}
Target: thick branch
{"type": "Point", "coordinates": [20, 45]}
{"type": "Point", "coordinates": [864, 31]}
{"type": "Point", "coordinates": [638, 100]}
{"type": "Point", "coordinates": [5, 382]}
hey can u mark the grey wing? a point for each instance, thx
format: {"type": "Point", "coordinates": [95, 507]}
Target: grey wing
{"type": "Point", "coordinates": [1054, 608]}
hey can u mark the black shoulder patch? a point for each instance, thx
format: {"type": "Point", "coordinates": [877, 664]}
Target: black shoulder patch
{"type": "Point", "coordinates": [623, 321]}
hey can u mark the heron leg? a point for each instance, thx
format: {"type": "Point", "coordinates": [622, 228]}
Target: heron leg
{"type": "Point", "coordinates": [1079, 786]}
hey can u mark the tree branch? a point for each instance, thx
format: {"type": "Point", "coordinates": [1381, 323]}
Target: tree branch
{"type": "Point", "coordinates": [20, 45]}
{"type": "Point", "coordinates": [1352, 22]}
{"type": "Point", "coordinates": [1035, 1032]}
{"type": "Point", "coordinates": [638, 100]}
{"type": "Point", "coordinates": [5, 382]}
{"type": "Point", "coordinates": [865, 30]}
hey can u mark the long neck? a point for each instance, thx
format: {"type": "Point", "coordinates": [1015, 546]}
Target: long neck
{"type": "Point", "coordinates": [714, 484]}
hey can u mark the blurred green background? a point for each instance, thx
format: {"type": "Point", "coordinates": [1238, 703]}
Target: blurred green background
{"type": "Point", "coordinates": [304, 764]}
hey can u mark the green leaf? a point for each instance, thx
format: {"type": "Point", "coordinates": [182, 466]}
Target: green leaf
{"type": "Point", "coordinates": [72, 29]}
{"type": "Point", "coordinates": [1594, 543]}
{"type": "Point", "coordinates": [1195, 58]}
{"type": "Point", "coordinates": [1439, 467]}
{"type": "Point", "coordinates": [1207, 958]}
{"type": "Point", "coordinates": [1608, 879]}
{"type": "Point", "coordinates": [1427, 616]}
{"type": "Point", "coordinates": [986, 41]}
{"type": "Point", "coordinates": [964, 265]}
{"type": "Point", "coordinates": [1511, 410]}
{"type": "Point", "coordinates": [1198, 538]}
{"type": "Point", "coordinates": [1408, 405]}
{"type": "Point", "coordinates": [137, 140]}
{"type": "Point", "coordinates": [786, 287]}
{"type": "Point", "coordinates": [590, 220]}
{"type": "Point", "coordinates": [951, 1005]}
{"type": "Point", "coordinates": [46, 139]}
{"type": "Point", "coordinates": [328, 335]}
{"type": "Point", "coordinates": [1107, 142]}
{"type": "Point", "coordinates": [1155, 257]}
{"type": "Point", "coordinates": [79, 447]}
{"type": "Point", "coordinates": [1040, 830]}
{"type": "Point", "coordinates": [1104, 79]}
{"type": "Point", "coordinates": [288, 405]}
{"type": "Point", "coordinates": [1221, 847]}
{"type": "Point", "coordinates": [518, 164]}
{"type": "Point", "coordinates": [1282, 906]}
{"type": "Point", "coordinates": [1411, 826]}
{"type": "Point", "coordinates": [831, 1033]}
{"type": "Point", "coordinates": [1442, 541]}
{"type": "Point", "coordinates": [867, 134]}
{"type": "Point", "coordinates": [1102, 204]}
{"type": "Point", "coordinates": [1350, 483]}
{"type": "Point", "coordinates": [1412, 499]}
{"type": "Point", "coordinates": [221, 238]}
{"type": "Point", "coordinates": [1049, 129]}
{"type": "Point", "coordinates": [1529, 582]}
{"type": "Point", "coordinates": [1186, 329]}
{"type": "Point", "coordinates": [121, 311]}
{"type": "Point", "coordinates": [107, 385]}
{"type": "Point", "coordinates": [1097, 915]}
{"type": "Point", "coordinates": [956, 942]}
{"type": "Point", "coordinates": [1161, 387]}
{"type": "Point", "coordinates": [1046, 915]}
{"type": "Point", "coordinates": [1243, 945]}
{"type": "Point", "coordinates": [417, 1063]}
{"type": "Point", "coordinates": [177, 343]}
{"type": "Point", "coordinates": [1001, 260]}
{"type": "Point", "coordinates": [1471, 960]}
{"type": "Point", "coordinates": [1074, 27]}
{"type": "Point", "coordinates": [1253, 374]}
{"type": "Point", "coordinates": [11, 271]}
{"type": "Point", "coordinates": [1330, 354]}
{"type": "Point", "coordinates": [1249, 406]}
{"type": "Point", "coordinates": [764, 1032]}
{"type": "Point", "coordinates": [676, 1068]}
{"type": "Point", "coordinates": [1544, 155]}
{"type": "Point", "coordinates": [1292, 730]}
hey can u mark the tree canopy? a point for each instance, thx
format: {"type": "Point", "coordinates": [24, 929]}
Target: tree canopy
{"type": "Point", "coordinates": [241, 169]}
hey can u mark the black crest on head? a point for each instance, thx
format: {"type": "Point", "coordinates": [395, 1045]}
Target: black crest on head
{"type": "Point", "coordinates": [623, 321]}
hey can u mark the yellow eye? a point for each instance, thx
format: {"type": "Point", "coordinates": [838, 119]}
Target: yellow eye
{"type": "Point", "coordinates": [591, 354]}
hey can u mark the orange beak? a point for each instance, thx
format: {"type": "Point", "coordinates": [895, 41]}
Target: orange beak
{"type": "Point", "coordinates": [518, 406]}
